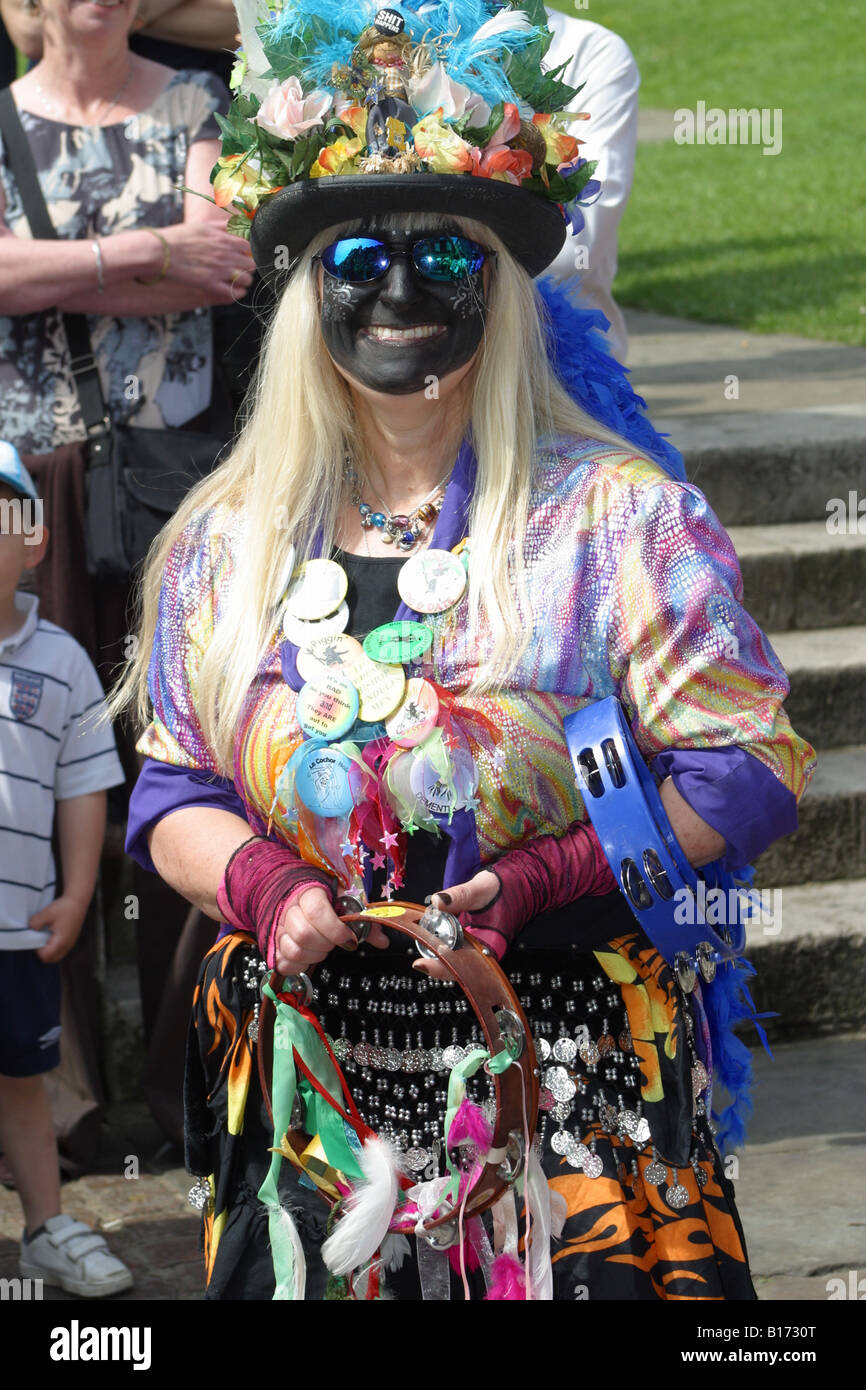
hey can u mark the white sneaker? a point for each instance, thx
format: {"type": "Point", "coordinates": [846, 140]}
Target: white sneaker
{"type": "Point", "coordinates": [72, 1256]}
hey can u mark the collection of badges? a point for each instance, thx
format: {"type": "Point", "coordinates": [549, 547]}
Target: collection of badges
{"type": "Point", "coordinates": [379, 753]}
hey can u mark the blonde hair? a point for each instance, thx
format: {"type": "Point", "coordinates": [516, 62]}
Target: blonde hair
{"type": "Point", "coordinates": [288, 466]}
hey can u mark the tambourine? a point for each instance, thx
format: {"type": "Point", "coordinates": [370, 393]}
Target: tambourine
{"type": "Point", "coordinates": [678, 908]}
{"type": "Point", "coordinates": [508, 1059]}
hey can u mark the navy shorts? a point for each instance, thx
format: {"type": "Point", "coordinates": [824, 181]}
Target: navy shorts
{"type": "Point", "coordinates": [29, 1014]}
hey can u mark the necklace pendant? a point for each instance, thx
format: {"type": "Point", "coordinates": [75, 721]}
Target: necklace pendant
{"type": "Point", "coordinates": [407, 541]}
{"type": "Point", "coordinates": [387, 537]}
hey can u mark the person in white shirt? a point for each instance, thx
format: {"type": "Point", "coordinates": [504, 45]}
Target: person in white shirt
{"type": "Point", "coordinates": [603, 62]}
{"type": "Point", "coordinates": [57, 759]}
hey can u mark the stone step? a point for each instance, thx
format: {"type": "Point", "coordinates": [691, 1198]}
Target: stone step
{"type": "Point", "coordinates": [810, 958]}
{"type": "Point", "coordinates": [831, 840]}
{"type": "Point", "coordinates": [827, 671]}
{"type": "Point", "coordinates": [802, 575]}
{"type": "Point", "coordinates": [780, 480]}
{"type": "Point", "coordinates": [772, 426]}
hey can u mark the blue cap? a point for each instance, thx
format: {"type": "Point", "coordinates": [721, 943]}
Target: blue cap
{"type": "Point", "coordinates": [13, 472]}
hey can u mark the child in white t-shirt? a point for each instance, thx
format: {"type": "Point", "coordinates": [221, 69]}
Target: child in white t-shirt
{"type": "Point", "coordinates": [57, 759]}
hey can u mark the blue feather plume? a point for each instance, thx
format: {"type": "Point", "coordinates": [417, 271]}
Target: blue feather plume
{"type": "Point", "coordinates": [727, 1002]}
{"type": "Point", "coordinates": [451, 27]}
{"type": "Point", "coordinates": [600, 384]}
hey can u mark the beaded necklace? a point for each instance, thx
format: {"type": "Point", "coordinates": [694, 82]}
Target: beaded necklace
{"type": "Point", "coordinates": [404, 530]}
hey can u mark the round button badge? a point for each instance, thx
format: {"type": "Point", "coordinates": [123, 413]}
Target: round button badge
{"type": "Point", "coordinates": [327, 707]}
{"type": "Point", "coordinates": [322, 781]}
{"type": "Point", "coordinates": [332, 655]}
{"type": "Point", "coordinates": [317, 588]}
{"type": "Point", "coordinates": [431, 581]}
{"type": "Point", "coordinates": [303, 633]}
{"type": "Point", "coordinates": [398, 642]}
{"type": "Point", "coordinates": [380, 688]}
{"type": "Point", "coordinates": [415, 716]}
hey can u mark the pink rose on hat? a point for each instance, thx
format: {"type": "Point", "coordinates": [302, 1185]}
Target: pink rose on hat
{"type": "Point", "coordinates": [287, 113]}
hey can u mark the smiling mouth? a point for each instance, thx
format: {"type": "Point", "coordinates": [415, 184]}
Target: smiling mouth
{"type": "Point", "coordinates": [382, 334]}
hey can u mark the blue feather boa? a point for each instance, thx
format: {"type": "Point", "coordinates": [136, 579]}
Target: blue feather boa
{"type": "Point", "coordinates": [578, 350]}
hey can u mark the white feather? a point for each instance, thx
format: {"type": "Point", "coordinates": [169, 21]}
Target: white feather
{"type": "Point", "coordinates": [394, 1251]}
{"type": "Point", "coordinates": [291, 1291]}
{"type": "Point", "coordinates": [250, 13]}
{"type": "Point", "coordinates": [505, 19]}
{"type": "Point", "coordinates": [558, 1212]}
{"type": "Point", "coordinates": [364, 1222]}
{"type": "Point", "coordinates": [539, 1270]}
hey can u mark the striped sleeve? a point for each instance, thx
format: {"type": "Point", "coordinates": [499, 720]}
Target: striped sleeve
{"type": "Point", "coordinates": [196, 572]}
{"type": "Point", "coordinates": [87, 758]}
{"type": "Point", "coordinates": [695, 671]}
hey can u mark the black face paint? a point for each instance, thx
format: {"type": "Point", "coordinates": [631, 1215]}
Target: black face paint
{"type": "Point", "coordinates": [402, 299]}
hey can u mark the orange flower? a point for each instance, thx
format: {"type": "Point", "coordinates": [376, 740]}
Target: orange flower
{"type": "Point", "coordinates": [338, 158]}
{"type": "Point", "coordinates": [506, 165]}
{"type": "Point", "coordinates": [441, 147]}
{"type": "Point", "coordinates": [354, 116]}
{"type": "Point", "coordinates": [561, 147]}
{"type": "Point", "coordinates": [239, 180]}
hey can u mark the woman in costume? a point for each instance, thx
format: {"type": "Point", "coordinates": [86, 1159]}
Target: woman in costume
{"type": "Point", "coordinates": [549, 554]}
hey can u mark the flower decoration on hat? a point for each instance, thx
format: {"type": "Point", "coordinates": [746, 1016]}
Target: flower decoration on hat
{"type": "Point", "coordinates": [334, 88]}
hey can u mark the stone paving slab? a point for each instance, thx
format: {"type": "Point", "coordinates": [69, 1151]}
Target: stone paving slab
{"type": "Point", "coordinates": [680, 366]}
{"type": "Point", "coordinates": [801, 1184]}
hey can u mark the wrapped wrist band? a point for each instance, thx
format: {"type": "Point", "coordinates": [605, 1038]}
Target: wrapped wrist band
{"type": "Point", "coordinates": [166, 259]}
{"type": "Point", "coordinates": [261, 879]}
{"type": "Point", "coordinates": [548, 872]}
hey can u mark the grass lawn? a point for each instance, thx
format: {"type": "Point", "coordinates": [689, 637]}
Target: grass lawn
{"type": "Point", "coordinates": [724, 233]}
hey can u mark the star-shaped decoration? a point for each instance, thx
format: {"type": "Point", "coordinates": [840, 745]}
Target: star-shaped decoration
{"type": "Point", "coordinates": [387, 893]}
{"type": "Point", "coordinates": [499, 759]}
{"type": "Point", "coordinates": [472, 803]}
{"type": "Point", "coordinates": [397, 879]}
{"type": "Point", "coordinates": [378, 861]}
{"type": "Point", "coordinates": [363, 855]}
{"type": "Point", "coordinates": [410, 825]}
{"type": "Point", "coordinates": [389, 839]}
{"type": "Point", "coordinates": [347, 849]}
{"type": "Point", "coordinates": [449, 741]}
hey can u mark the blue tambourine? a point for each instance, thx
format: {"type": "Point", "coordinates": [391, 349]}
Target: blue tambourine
{"type": "Point", "coordinates": [695, 919]}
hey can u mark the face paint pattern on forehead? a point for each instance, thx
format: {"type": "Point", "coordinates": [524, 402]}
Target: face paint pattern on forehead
{"type": "Point", "coordinates": [402, 299]}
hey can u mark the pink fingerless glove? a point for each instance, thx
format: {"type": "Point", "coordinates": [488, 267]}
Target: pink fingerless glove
{"type": "Point", "coordinates": [548, 872]}
{"type": "Point", "coordinates": [260, 881]}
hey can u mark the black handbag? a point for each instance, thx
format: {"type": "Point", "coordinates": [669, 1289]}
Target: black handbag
{"type": "Point", "coordinates": [136, 478]}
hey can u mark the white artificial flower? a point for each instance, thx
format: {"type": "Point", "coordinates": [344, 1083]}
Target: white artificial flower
{"type": "Point", "coordinates": [436, 89]}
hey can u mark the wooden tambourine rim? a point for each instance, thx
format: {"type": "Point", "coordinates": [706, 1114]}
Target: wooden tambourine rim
{"type": "Point", "coordinates": [487, 988]}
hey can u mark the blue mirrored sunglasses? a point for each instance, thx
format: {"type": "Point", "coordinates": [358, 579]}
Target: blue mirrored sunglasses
{"type": "Point", "coordinates": [357, 260]}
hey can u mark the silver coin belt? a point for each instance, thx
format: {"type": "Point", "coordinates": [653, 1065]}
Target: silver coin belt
{"type": "Point", "coordinates": [397, 1038]}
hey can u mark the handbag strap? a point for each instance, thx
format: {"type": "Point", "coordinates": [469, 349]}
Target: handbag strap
{"type": "Point", "coordinates": [85, 373]}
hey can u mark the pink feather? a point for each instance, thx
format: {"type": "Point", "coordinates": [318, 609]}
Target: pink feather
{"type": "Point", "coordinates": [507, 1279]}
{"type": "Point", "coordinates": [470, 1254]}
{"type": "Point", "coordinates": [470, 1126]}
